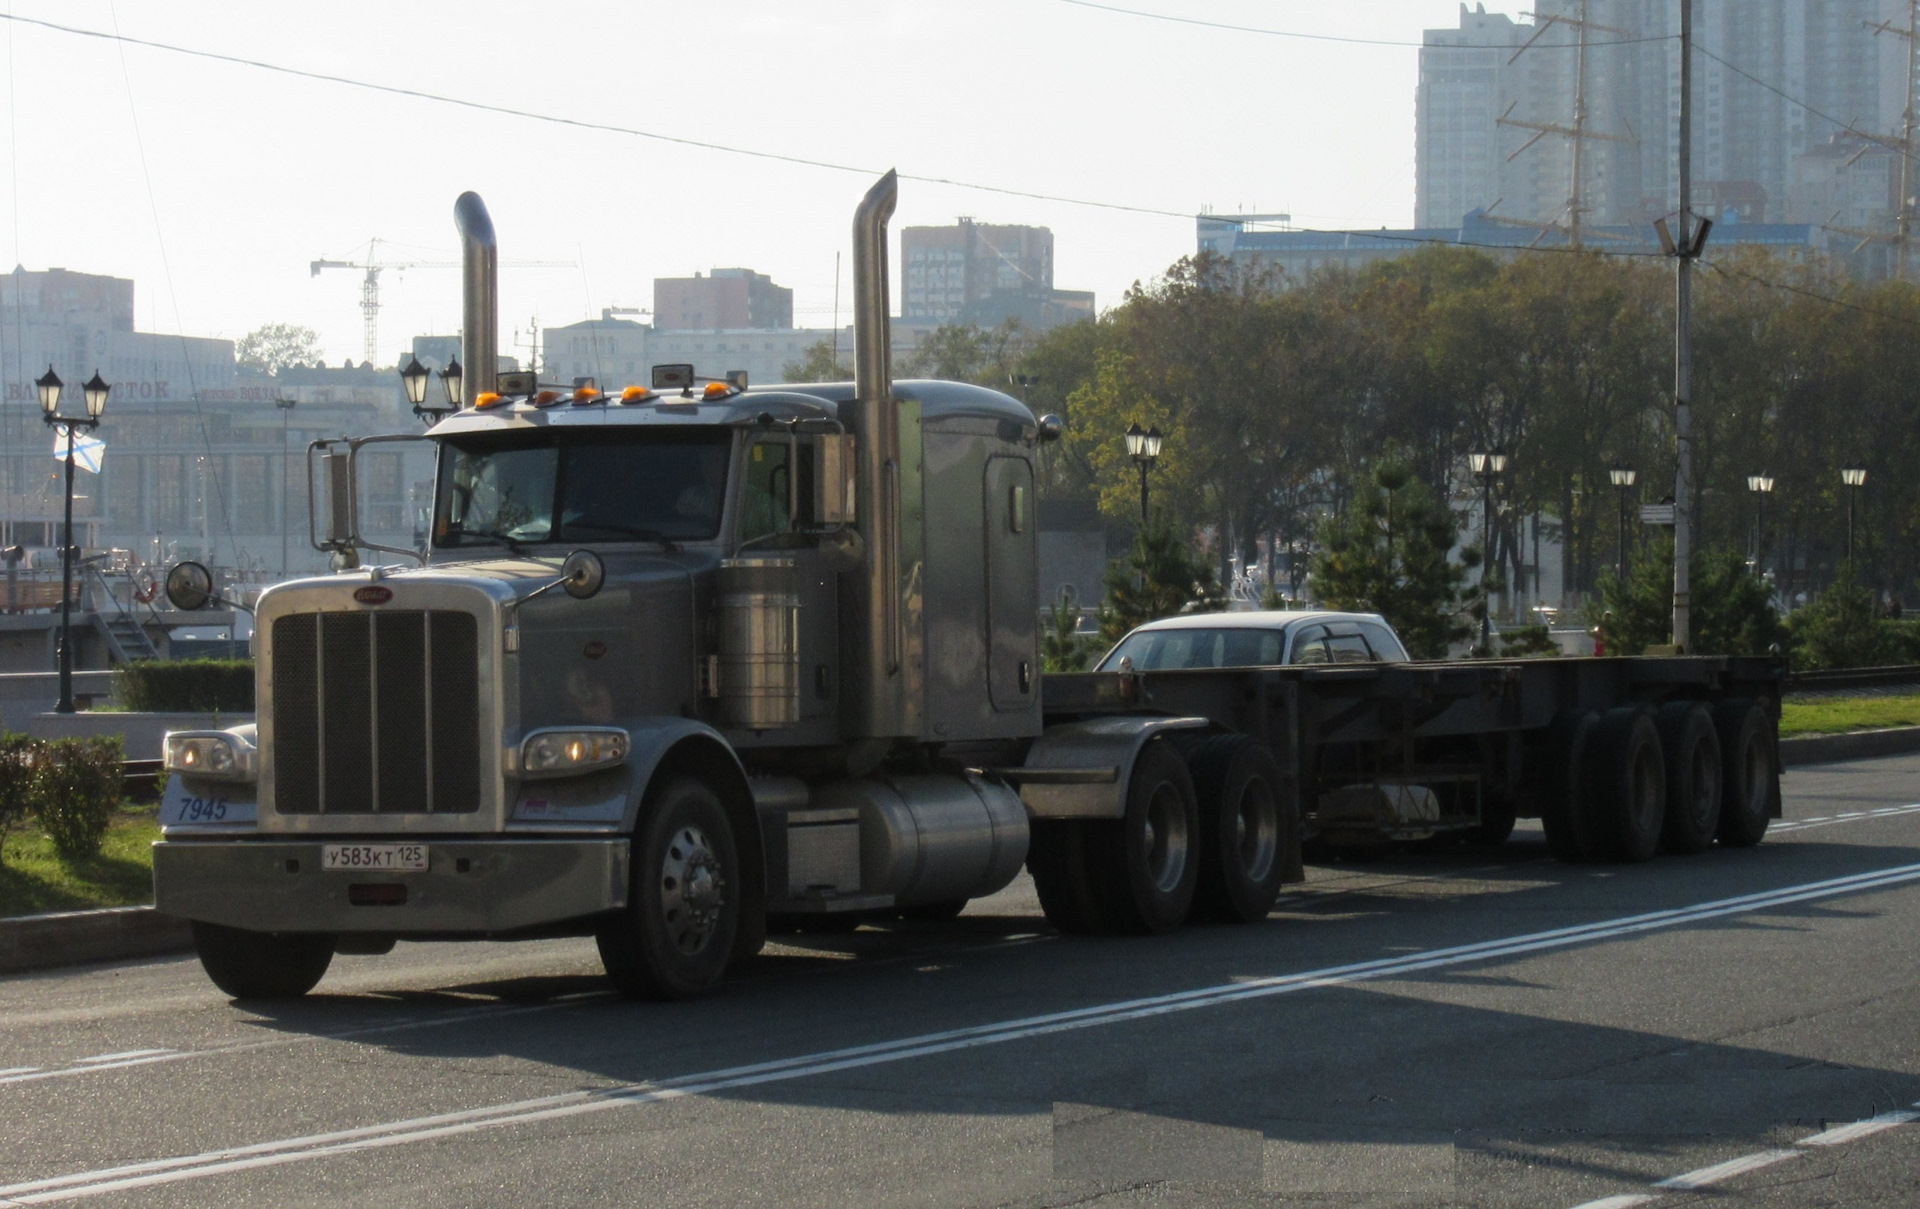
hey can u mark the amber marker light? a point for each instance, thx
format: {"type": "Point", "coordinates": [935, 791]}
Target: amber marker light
{"type": "Point", "coordinates": [587, 394]}
{"type": "Point", "coordinates": [635, 394]}
{"type": "Point", "coordinates": [546, 398]}
{"type": "Point", "coordinates": [485, 400]}
{"type": "Point", "coordinates": [718, 390]}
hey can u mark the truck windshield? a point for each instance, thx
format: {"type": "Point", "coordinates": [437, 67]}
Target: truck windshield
{"type": "Point", "coordinates": [506, 488]}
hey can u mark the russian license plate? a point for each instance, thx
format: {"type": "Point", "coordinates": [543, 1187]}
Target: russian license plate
{"type": "Point", "coordinates": [374, 858]}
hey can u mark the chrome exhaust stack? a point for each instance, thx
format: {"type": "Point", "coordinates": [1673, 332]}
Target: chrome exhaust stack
{"type": "Point", "coordinates": [875, 704]}
{"type": "Point", "coordinates": [479, 297]}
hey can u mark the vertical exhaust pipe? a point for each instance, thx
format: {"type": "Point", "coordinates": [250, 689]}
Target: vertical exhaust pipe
{"type": "Point", "coordinates": [479, 297]}
{"type": "Point", "coordinates": [876, 703]}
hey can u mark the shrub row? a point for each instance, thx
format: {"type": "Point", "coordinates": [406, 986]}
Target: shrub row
{"type": "Point", "coordinates": [72, 786]}
{"type": "Point", "coordinates": [201, 686]}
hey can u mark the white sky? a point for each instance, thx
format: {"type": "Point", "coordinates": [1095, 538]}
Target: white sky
{"type": "Point", "coordinates": [213, 185]}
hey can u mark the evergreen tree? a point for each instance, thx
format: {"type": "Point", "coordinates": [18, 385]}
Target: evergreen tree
{"type": "Point", "coordinates": [1159, 578]}
{"type": "Point", "coordinates": [1387, 554]}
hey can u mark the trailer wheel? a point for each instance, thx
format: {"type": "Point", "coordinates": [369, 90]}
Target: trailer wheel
{"type": "Point", "coordinates": [1558, 764]}
{"type": "Point", "coordinates": [1692, 751]}
{"type": "Point", "coordinates": [1750, 784]}
{"type": "Point", "coordinates": [1245, 829]}
{"type": "Point", "coordinates": [676, 934]}
{"type": "Point", "coordinates": [1627, 802]}
{"type": "Point", "coordinates": [1147, 865]}
{"type": "Point", "coordinates": [262, 965]}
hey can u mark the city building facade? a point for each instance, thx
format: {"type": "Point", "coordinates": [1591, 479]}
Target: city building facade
{"type": "Point", "coordinates": [725, 298]}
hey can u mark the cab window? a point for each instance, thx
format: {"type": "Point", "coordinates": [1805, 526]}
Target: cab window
{"type": "Point", "coordinates": [772, 485]}
{"type": "Point", "coordinates": [1348, 648]}
{"type": "Point", "coordinates": [1385, 645]}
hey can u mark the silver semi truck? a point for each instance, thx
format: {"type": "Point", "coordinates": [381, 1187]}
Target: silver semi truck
{"type": "Point", "coordinates": [688, 658]}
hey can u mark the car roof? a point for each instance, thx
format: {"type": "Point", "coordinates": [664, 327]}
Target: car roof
{"type": "Point", "coordinates": [1259, 619]}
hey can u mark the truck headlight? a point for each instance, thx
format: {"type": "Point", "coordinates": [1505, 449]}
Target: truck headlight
{"type": "Point", "coordinates": [561, 753]}
{"type": "Point", "coordinates": [218, 755]}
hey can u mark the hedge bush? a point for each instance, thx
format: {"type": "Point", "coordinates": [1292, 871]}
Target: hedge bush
{"type": "Point", "coordinates": [200, 686]}
{"type": "Point", "coordinates": [75, 785]}
{"type": "Point", "coordinates": [16, 782]}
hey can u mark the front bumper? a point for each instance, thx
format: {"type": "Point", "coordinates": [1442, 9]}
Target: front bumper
{"type": "Point", "coordinates": [471, 887]}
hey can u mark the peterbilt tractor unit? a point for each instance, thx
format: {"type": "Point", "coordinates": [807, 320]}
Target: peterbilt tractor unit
{"type": "Point", "coordinates": [685, 658]}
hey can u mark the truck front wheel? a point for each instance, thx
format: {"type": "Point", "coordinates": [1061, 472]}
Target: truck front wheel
{"type": "Point", "coordinates": [262, 965]}
{"type": "Point", "coordinates": [676, 934]}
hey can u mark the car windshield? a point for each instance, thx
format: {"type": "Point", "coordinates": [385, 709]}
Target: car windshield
{"type": "Point", "coordinates": [1159, 650]}
{"type": "Point", "coordinates": [506, 488]}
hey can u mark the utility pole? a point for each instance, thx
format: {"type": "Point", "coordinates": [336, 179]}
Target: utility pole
{"type": "Point", "coordinates": [1687, 249]}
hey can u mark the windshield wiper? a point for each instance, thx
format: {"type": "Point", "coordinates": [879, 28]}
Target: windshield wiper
{"type": "Point", "coordinates": [646, 535]}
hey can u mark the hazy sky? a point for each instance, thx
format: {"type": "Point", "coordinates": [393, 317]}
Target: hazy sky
{"type": "Point", "coordinates": [213, 184]}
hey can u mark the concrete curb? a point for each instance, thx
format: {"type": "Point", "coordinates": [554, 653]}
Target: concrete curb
{"type": "Point", "coordinates": [38, 942]}
{"type": "Point", "coordinates": [1859, 745]}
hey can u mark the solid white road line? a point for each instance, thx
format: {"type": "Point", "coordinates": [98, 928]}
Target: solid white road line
{"type": "Point", "coordinates": [1624, 1201]}
{"type": "Point", "coordinates": [1707, 1177]}
{"type": "Point", "coordinates": [1841, 1134]}
{"type": "Point", "coordinates": [397, 1133]}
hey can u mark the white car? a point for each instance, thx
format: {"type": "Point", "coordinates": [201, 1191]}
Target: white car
{"type": "Point", "coordinates": [1257, 639]}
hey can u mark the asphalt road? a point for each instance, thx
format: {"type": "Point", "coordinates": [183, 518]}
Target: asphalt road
{"type": "Point", "coordinates": [1438, 1028]}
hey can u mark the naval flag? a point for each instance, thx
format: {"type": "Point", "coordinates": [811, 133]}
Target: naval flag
{"type": "Point", "coordinates": [87, 451]}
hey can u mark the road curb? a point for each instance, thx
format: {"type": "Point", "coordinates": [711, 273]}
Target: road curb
{"type": "Point", "coordinates": [1859, 745]}
{"type": "Point", "coordinates": [38, 942]}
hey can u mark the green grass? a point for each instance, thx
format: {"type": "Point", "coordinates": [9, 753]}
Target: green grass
{"type": "Point", "coordinates": [33, 879]}
{"type": "Point", "coordinates": [1842, 714]}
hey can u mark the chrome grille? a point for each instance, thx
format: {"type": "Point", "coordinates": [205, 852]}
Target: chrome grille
{"type": "Point", "coordinates": [376, 713]}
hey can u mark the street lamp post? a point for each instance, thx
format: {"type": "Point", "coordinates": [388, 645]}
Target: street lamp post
{"type": "Point", "coordinates": [95, 389]}
{"type": "Point", "coordinates": [1144, 449]}
{"type": "Point", "coordinates": [414, 378]}
{"type": "Point", "coordinates": [1854, 477]}
{"type": "Point", "coordinates": [1761, 485]}
{"type": "Point", "coordinates": [286, 477]}
{"type": "Point", "coordinates": [1487, 467]}
{"type": "Point", "coordinates": [1622, 477]}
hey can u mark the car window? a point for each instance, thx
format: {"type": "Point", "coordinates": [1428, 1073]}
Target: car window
{"type": "Point", "coordinates": [1348, 648]}
{"type": "Point", "coordinates": [1385, 645]}
{"type": "Point", "coordinates": [1310, 646]}
{"type": "Point", "coordinates": [1249, 648]}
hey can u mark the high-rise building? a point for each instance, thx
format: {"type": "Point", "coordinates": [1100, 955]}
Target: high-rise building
{"type": "Point", "coordinates": [1499, 103]}
{"type": "Point", "coordinates": [949, 274]}
{"type": "Point", "coordinates": [725, 298]}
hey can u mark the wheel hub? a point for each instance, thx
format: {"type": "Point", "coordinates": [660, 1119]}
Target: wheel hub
{"type": "Point", "coordinates": [692, 891]}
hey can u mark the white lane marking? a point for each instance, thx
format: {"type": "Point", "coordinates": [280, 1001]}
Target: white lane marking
{"type": "Point", "coordinates": [1706, 1177]}
{"type": "Point", "coordinates": [19, 1070]}
{"type": "Point", "coordinates": [1823, 820]}
{"type": "Point", "coordinates": [1841, 1134]}
{"type": "Point", "coordinates": [397, 1133]}
{"type": "Point", "coordinates": [125, 1054]}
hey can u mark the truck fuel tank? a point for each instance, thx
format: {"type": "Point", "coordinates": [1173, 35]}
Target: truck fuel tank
{"type": "Point", "coordinates": [932, 839]}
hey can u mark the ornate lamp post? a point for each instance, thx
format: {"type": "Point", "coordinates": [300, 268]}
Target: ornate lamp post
{"type": "Point", "coordinates": [1623, 478]}
{"type": "Point", "coordinates": [414, 377]}
{"type": "Point", "coordinates": [1761, 485]}
{"type": "Point", "coordinates": [1855, 477]}
{"type": "Point", "coordinates": [1144, 449]}
{"type": "Point", "coordinates": [95, 389]}
{"type": "Point", "coordinates": [1487, 467]}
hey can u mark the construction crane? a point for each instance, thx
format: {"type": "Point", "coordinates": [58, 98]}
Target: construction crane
{"type": "Point", "coordinates": [373, 266]}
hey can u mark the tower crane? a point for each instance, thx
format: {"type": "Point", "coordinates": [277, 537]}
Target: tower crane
{"type": "Point", "coordinates": [373, 266]}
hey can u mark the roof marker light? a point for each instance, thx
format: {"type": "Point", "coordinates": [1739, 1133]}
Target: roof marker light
{"type": "Point", "coordinates": [636, 394]}
{"type": "Point", "coordinates": [546, 398]}
{"type": "Point", "coordinates": [487, 399]}
{"type": "Point", "coordinates": [587, 394]}
{"type": "Point", "coordinates": [717, 390]}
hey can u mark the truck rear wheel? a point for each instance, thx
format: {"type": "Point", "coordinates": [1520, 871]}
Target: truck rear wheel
{"type": "Point", "coordinates": [1558, 765]}
{"type": "Point", "coordinates": [1627, 796]}
{"type": "Point", "coordinates": [676, 935]}
{"type": "Point", "coordinates": [1692, 752]}
{"type": "Point", "coordinates": [1147, 865]}
{"type": "Point", "coordinates": [1244, 828]}
{"type": "Point", "coordinates": [1750, 782]}
{"type": "Point", "coordinates": [262, 965]}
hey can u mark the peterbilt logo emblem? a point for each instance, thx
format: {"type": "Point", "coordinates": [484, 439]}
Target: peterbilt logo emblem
{"type": "Point", "coordinates": [373, 594]}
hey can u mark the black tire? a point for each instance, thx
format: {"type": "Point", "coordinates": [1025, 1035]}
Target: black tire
{"type": "Point", "coordinates": [1557, 781]}
{"type": "Point", "coordinates": [676, 936]}
{"type": "Point", "coordinates": [1691, 748]}
{"type": "Point", "coordinates": [816, 923]}
{"type": "Point", "coordinates": [1498, 814]}
{"type": "Point", "coordinates": [1057, 859]}
{"type": "Point", "coordinates": [1246, 828]}
{"type": "Point", "coordinates": [262, 965]}
{"type": "Point", "coordinates": [1627, 791]}
{"type": "Point", "coordinates": [934, 912]}
{"type": "Point", "coordinates": [1146, 866]}
{"type": "Point", "coordinates": [1750, 772]}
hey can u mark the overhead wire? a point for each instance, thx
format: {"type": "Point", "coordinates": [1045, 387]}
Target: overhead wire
{"type": "Point", "coordinates": [1788, 97]}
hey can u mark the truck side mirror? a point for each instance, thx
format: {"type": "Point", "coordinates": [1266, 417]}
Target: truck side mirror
{"type": "Point", "coordinates": [337, 476]}
{"type": "Point", "coordinates": [189, 587]}
{"type": "Point", "coordinates": [833, 470]}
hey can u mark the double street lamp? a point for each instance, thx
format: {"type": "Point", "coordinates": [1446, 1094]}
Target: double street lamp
{"type": "Point", "coordinates": [1855, 477]}
{"type": "Point", "coordinates": [1762, 486]}
{"type": "Point", "coordinates": [414, 378]}
{"type": "Point", "coordinates": [1622, 477]}
{"type": "Point", "coordinates": [1144, 448]}
{"type": "Point", "coordinates": [1487, 466]}
{"type": "Point", "coordinates": [95, 389]}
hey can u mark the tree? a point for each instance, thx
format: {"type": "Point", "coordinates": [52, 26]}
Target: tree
{"type": "Point", "coordinates": [956, 352]}
{"type": "Point", "coordinates": [1733, 611]}
{"type": "Point", "coordinates": [277, 346]}
{"type": "Point", "coordinates": [1387, 554]}
{"type": "Point", "coordinates": [1840, 628]}
{"type": "Point", "coordinates": [1062, 647]}
{"type": "Point", "coordinates": [1158, 578]}
{"type": "Point", "coordinates": [819, 365]}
